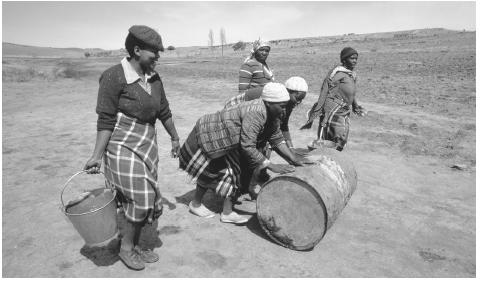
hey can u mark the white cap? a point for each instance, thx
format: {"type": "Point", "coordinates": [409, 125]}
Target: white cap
{"type": "Point", "coordinates": [275, 92]}
{"type": "Point", "coordinates": [296, 83]}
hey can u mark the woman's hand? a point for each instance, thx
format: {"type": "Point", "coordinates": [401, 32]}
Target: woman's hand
{"type": "Point", "coordinates": [175, 148]}
{"type": "Point", "coordinates": [300, 152]}
{"type": "Point", "coordinates": [301, 161]}
{"type": "Point", "coordinates": [359, 110]}
{"type": "Point", "coordinates": [280, 168]}
{"type": "Point", "coordinates": [93, 165]}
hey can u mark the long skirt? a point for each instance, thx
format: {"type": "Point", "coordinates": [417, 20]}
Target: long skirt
{"type": "Point", "coordinates": [222, 175]}
{"type": "Point", "coordinates": [131, 165]}
{"type": "Point", "coordinates": [335, 122]}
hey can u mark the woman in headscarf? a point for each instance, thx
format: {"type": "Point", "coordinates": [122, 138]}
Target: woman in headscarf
{"type": "Point", "coordinates": [255, 72]}
{"type": "Point", "coordinates": [130, 100]}
{"type": "Point", "coordinates": [336, 101]}
{"type": "Point", "coordinates": [223, 146]}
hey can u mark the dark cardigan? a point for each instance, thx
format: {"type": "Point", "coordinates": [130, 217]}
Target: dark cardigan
{"type": "Point", "coordinates": [115, 95]}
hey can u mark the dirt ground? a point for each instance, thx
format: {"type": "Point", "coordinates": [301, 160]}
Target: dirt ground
{"type": "Point", "coordinates": [412, 215]}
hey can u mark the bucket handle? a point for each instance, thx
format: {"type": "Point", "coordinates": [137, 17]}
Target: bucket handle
{"type": "Point", "coordinates": [68, 181]}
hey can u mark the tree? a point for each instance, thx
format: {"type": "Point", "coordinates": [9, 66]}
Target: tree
{"type": "Point", "coordinates": [223, 39]}
{"type": "Point", "coordinates": [87, 54]}
{"type": "Point", "coordinates": [210, 38]}
{"type": "Point", "coordinates": [240, 45]}
{"type": "Point", "coordinates": [170, 48]}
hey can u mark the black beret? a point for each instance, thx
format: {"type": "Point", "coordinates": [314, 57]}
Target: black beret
{"type": "Point", "coordinates": [147, 35]}
{"type": "Point", "coordinates": [347, 52]}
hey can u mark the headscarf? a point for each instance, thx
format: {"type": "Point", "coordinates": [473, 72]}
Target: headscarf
{"type": "Point", "coordinates": [257, 44]}
{"type": "Point", "coordinates": [296, 83]}
{"type": "Point", "coordinates": [275, 92]}
{"type": "Point", "coordinates": [347, 52]}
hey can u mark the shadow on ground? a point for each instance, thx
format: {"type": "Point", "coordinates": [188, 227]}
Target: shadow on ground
{"type": "Point", "coordinates": [108, 255]}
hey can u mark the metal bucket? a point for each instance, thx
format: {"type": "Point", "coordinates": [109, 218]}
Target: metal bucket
{"type": "Point", "coordinates": [93, 214]}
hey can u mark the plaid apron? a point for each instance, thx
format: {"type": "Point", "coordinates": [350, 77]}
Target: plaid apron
{"type": "Point", "coordinates": [221, 175]}
{"type": "Point", "coordinates": [131, 163]}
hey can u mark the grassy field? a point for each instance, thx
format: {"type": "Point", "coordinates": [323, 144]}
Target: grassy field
{"type": "Point", "coordinates": [411, 216]}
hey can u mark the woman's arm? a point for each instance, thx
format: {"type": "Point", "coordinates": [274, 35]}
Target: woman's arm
{"type": "Point", "coordinates": [165, 115]}
{"type": "Point", "coordinates": [107, 107]}
{"type": "Point", "coordinates": [172, 131]}
{"type": "Point", "coordinates": [286, 154]}
{"type": "Point", "coordinates": [95, 162]}
{"type": "Point", "coordinates": [284, 127]}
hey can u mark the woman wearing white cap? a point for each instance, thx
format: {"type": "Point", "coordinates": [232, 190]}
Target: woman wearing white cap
{"type": "Point", "coordinates": [222, 145]}
{"type": "Point", "coordinates": [296, 86]}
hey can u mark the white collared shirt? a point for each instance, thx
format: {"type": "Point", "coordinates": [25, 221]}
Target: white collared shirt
{"type": "Point", "coordinates": [131, 76]}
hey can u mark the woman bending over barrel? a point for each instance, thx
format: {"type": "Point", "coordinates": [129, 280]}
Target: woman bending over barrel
{"type": "Point", "coordinates": [296, 86]}
{"type": "Point", "coordinates": [130, 100]}
{"type": "Point", "coordinates": [224, 145]}
{"type": "Point", "coordinates": [336, 101]}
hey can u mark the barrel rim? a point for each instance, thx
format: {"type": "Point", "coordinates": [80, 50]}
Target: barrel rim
{"type": "Point", "coordinates": [315, 194]}
{"type": "Point", "coordinates": [114, 192]}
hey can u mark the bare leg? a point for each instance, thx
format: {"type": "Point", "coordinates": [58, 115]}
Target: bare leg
{"type": "Point", "coordinates": [128, 236]}
{"type": "Point", "coordinates": [227, 206]}
{"type": "Point", "coordinates": [127, 253]}
{"type": "Point", "coordinates": [197, 199]}
{"type": "Point", "coordinates": [136, 233]}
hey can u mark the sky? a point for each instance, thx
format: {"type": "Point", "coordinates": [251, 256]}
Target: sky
{"type": "Point", "coordinates": [105, 24]}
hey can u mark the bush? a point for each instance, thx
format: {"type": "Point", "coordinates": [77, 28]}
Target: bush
{"type": "Point", "coordinates": [15, 74]}
{"type": "Point", "coordinates": [240, 45]}
{"type": "Point", "coordinates": [170, 48]}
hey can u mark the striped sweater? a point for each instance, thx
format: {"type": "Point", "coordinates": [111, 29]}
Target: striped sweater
{"type": "Point", "coordinates": [254, 74]}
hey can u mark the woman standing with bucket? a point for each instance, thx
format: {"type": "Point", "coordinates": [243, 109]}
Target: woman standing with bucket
{"type": "Point", "coordinates": [130, 100]}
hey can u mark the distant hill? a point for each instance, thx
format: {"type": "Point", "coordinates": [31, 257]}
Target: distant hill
{"type": "Point", "coordinates": [17, 50]}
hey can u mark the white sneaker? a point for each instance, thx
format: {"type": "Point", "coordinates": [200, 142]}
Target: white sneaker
{"type": "Point", "coordinates": [201, 211]}
{"type": "Point", "coordinates": [233, 217]}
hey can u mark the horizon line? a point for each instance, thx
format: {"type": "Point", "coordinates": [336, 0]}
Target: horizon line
{"type": "Point", "coordinates": [291, 38]}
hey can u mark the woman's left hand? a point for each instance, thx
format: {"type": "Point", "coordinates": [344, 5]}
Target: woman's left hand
{"type": "Point", "coordinates": [175, 148]}
{"type": "Point", "coordinates": [359, 110]}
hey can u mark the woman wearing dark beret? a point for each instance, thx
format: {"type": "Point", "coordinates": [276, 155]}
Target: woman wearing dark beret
{"type": "Point", "coordinates": [336, 101]}
{"type": "Point", "coordinates": [130, 100]}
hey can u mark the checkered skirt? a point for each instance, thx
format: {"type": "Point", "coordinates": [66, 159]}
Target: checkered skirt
{"type": "Point", "coordinates": [221, 175]}
{"type": "Point", "coordinates": [131, 164]}
{"type": "Point", "coordinates": [336, 122]}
